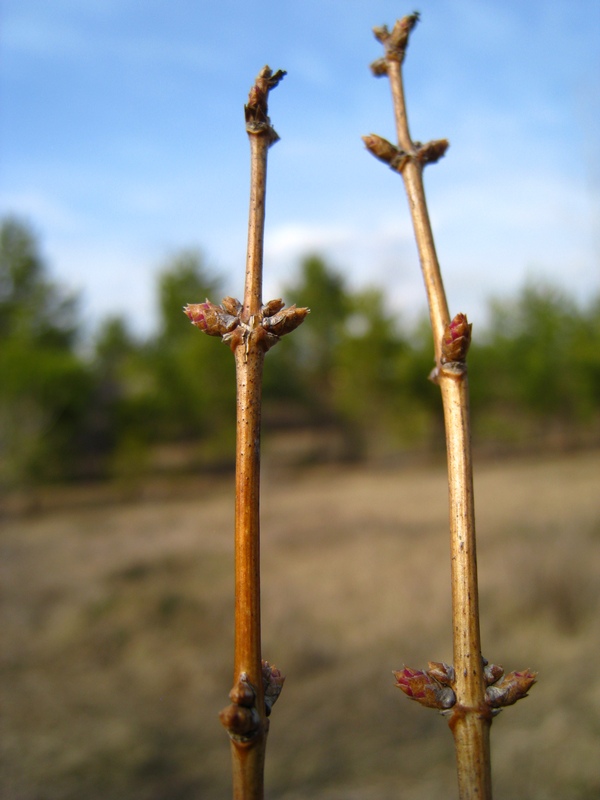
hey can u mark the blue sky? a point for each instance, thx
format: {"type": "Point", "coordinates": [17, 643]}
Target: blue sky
{"type": "Point", "coordinates": [122, 141]}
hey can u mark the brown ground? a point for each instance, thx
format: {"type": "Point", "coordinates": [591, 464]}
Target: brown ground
{"type": "Point", "coordinates": [117, 640]}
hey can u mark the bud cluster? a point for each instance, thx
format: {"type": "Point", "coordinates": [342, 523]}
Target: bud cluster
{"type": "Point", "coordinates": [397, 158]}
{"type": "Point", "coordinates": [435, 686]}
{"type": "Point", "coordinates": [273, 321]}
{"type": "Point", "coordinates": [241, 717]}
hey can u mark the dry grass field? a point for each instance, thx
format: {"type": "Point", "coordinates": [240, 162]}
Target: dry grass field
{"type": "Point", "coordinates": [117, 636]}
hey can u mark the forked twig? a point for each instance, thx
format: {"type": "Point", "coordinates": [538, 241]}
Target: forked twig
{"type": "Point", "coordinates": [472, 691]}
{"type": "Point", "coordinates": [250, 328]}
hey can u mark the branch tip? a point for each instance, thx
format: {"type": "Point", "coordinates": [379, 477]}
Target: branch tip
{"type": "Point", "coordinates": [256, 110]}
{"type": "Point", "coordinates": [396, 41]}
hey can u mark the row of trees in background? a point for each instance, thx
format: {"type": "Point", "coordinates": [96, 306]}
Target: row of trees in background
{"type": "Point", "coordinates": [353, 374]}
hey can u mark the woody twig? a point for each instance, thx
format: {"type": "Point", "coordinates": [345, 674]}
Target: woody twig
{"type": "Point", "coordinates": [471, 691]}
{"type": "Point", "coordinates": [250, 329]}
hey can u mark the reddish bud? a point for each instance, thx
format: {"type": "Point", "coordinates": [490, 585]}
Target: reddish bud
{"type": "Point", "coordinates": [456, 340]}
{"type": "Point", "coordinates": [243, 693]}
{"type": "Point", "coordinates": [424, 688]}
{"type": "Point", "coordinates": [240, 722]}
{"type": "Point", "coordinates": [511, 688]}
{"type": "Point", "coordinates": [273, 684]}
{"type": "Point", "coordinates": [213, 320]}
{"type": "Point", "coordinates": [241, 718]}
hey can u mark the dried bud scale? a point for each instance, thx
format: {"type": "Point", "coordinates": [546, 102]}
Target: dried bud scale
{"type": "Point", "coordinates": [255, 111]}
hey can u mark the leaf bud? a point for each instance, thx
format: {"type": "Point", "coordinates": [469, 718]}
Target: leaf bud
{"type": "Point", "coordinates": [456, 340]}
{"type": "Point", "coordinates": [492, 673]}
{"type": "Point", "coordinates": [425, 689]}
{"type": "Point", "coordinates": [511, 688]}
{"type": "Point", "coordinates": [272, 307]}
{"type": "Point", "coordinates": [273, 684]}
{"type": "Point", "coordinates": [432, 151]}
{"type": "Point", "coordinates": [442, 672]}
{"type": "Point", "coordinates": [243, 693]}
{"type": "Point", "coordinates": [285, 321]}
{"type": "Point", "coordinates": [210, 318]}
{"type": "Point", "coordinates": [239, 721]}
{"type": "Point", "coordinates": [231, 306]}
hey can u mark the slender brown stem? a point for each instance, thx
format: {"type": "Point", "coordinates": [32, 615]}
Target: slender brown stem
{"type": "Point", "coordinates": [249, 754]}
{"type": "Point", "coordinates": [259, 147]}
{"type": "Point", "coordinates": [247, 330]}
{"type": "Point", "coordinates": [412, 174]}
{"type": "Point", "coordinates": [471, 716]}
{"type": "Point", "coordinates": [251, 329]}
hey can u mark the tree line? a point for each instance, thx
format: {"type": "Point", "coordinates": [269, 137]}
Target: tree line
{"type": "Point", "coordinates": [128, 406]}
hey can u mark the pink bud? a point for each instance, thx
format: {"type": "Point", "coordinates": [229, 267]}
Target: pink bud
{"type": "Point", "coordinates": [425, 689]}
{"type": "Point", "coordinates": [273, 684]}
{"type": "Point", "coordinates": [456, 340]}
{"type": "Point", "coordinates": [213, 320]}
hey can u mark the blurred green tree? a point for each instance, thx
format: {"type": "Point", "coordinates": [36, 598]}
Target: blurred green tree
{"type": "Point", "coordinates": [194, 373]}
{"type": "Point", "coordinates": [536, 368]}
{"type": "Point", "coordinates": [45, 386]}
